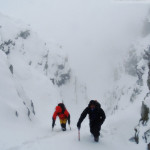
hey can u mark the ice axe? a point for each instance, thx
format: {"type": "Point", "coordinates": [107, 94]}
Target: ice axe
{"type": "Point", "coordinates": [69, 126]}
{"type": "Point", "coordinates": [79, 134]}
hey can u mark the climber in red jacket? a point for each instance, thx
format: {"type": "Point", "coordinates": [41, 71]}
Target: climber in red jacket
{"type": "Point", "coordinates": [63, 115]}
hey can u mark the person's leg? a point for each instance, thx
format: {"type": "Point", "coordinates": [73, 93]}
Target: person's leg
{"type": "Point", "coordinates": [63, 124]}
{"type": "Point", "coordinates": [91, 128]}
{"type": "Point", "coordinates": [95, 130]}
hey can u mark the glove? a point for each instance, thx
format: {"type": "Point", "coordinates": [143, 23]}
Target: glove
{"type": "Point", "coordinates": [101, 123]}
{"type": "Point", "coordinates": [78, 125]}
{"type": "Point", "coordinates": [69, 122]}
{"type": "Point", "coordinates": [53, 124]}
{"type": "Point", "coordinates": [69, 119]}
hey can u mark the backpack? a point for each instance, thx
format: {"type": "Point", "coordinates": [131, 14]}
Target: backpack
{"type": "Point", "coordinates": [62, 107]}
{"type": "Point", "coordinates": [98, 105]}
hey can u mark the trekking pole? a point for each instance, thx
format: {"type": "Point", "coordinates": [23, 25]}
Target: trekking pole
{"type": "Point", "coordinates": [79, 134]}
{"type": "Point", "coordinates": [69, 126]}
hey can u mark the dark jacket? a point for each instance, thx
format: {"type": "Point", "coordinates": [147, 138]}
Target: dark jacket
{"type": "Point", "coordinates": [96, 116]}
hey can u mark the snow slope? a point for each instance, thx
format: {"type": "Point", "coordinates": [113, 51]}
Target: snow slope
{"type": "Point", "coordinates": [35, 76]}
{"type": "Point", "coordinates": [130, 93]}
{"type": "Point", "coordinates": [111, 137]}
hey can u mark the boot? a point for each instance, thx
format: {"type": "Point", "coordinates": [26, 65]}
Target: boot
{"type": "Point", "coordinates": [96, 139]}
{"type": "Point", "coordinates": [63, 126]}
{"type": "Point", "coordinates": [63, 129]}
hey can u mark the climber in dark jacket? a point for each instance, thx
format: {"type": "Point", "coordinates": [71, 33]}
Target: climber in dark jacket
{"type": "Point", "coordinates": [96, 118]}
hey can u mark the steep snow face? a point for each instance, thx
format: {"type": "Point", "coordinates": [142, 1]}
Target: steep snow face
{"type": "Point", "coordinates": [48, 58]}
{"type": "Point", "coordinates": [26, 101]}
{"type": "Point", "coordinates": [130, 77]}
{"type": "Point", "coordinates": [131, 91]}
{"type": "Point", "coordinates": [35, 76]}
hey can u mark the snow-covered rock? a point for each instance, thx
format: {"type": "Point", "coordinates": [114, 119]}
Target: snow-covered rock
{"type": "Point", "coordinates": [131, 89]}
{"type": "Point", "coordinates": [34, 77]}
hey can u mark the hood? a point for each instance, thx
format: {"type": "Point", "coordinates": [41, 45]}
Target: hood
{"type": "Point", "coordinates": [92, 102]}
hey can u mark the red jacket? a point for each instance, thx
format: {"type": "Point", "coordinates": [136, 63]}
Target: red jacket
{"type": "Point", "coordinates": [58, 112]}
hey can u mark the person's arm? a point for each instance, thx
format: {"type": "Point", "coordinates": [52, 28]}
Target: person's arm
{"type": "Point", "coordinates": [54, 119]}
{"type": "Point", "coordinates": [103, 116]}
{"type": "Point", "coordinates": [53, 123]}
{"type": "Point", "coordinates": [82, 117]}
{"type": "Point", "coordinates": [68, 119]}
{"type": "Point", "coordinates": [67, 115]}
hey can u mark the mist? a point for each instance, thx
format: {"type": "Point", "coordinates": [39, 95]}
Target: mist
{"type": "Point", "coordinates": [95, 34]}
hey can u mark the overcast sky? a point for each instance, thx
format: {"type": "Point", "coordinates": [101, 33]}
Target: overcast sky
{"type": "Point", "coordinates": [94, 33]}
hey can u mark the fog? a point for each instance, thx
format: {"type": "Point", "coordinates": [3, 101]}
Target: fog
{"type": "Point", "coordinates": [95, 33]}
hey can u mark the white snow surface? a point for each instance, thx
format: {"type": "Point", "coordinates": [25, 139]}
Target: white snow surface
{"type": "Point", "coordinates": [21, 129]}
